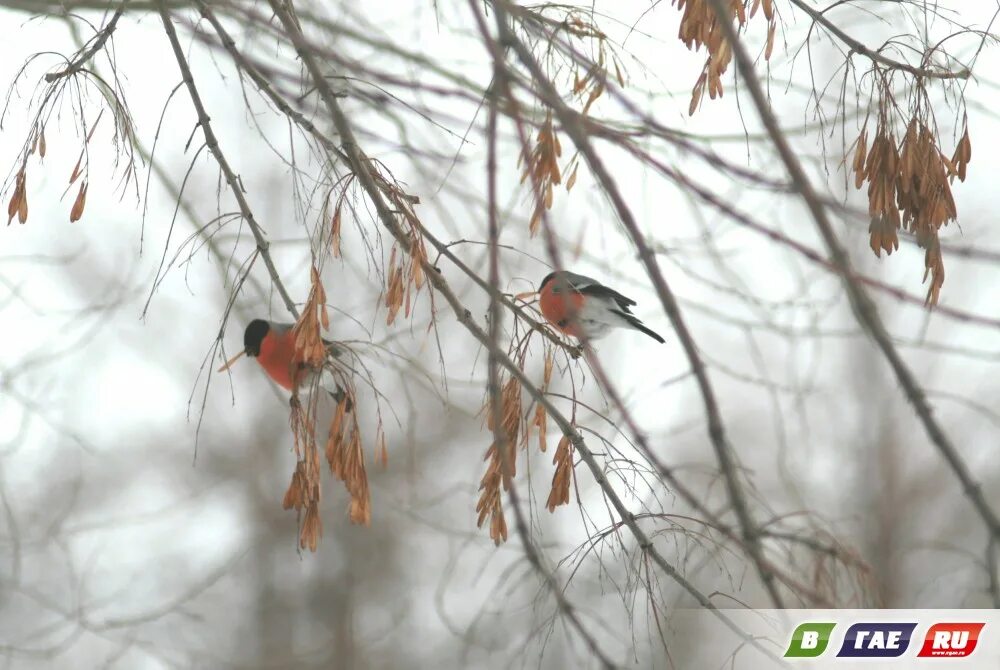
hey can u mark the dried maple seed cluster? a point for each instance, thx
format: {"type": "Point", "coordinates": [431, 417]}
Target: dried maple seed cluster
{"type": "Point", "coordinates": [542, 167]}
{"type": "Point", "coordinates": [343, 447]}
{"type": "Point", "coordinates": [540, 420]}
{"type": "Point", "coordinates": [502, 463]}
{"type": "Point", "coordinates": [561, 478]}
{"type": "Point", "coordinates": [490, 504]}
{"type": "Point", "coordinates": [405, 278]}
{"type": "Point", "coordinates": [516, 432]}
{"type": "Point", "coordinates": [309, 344]}
{"type": "Point", "coordinates": [909, 187]}
{"type": "Point", "coordinates": [342, 186]}
{"type": "Point", "coordinates": [541, 162]}
{"type": "Point", "coordinates": [591, 85]}
{"type": "Point", "coordinates": [304, 490]}
{"type": "Point", "coordinates": [18, 205]}
{"type": "Point", "coordinates": [700, 28]}
{"type": "Point", "coordinates": [347, 459]}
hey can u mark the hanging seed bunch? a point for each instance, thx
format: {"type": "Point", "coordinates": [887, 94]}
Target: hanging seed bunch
{"type": "Point", "coordinates": [48, 102]}
{"type": "Point", "coordinates": [563, 476]}
{"type": "Point", "coordinates": [405, 273]}
{"type": "Point", "coordinates": [540, 419]}
{"type": "Point", "coordinates": [490, 505]}
{"type": "Point", "coordinates": [591, 85]}
{"type": "Point", "coordinates": [563, 458]}
{"type": "Point", "coordinates": [909, 187]}
{"type": "Point", "coordinates": [405, 278]}
{"type": "Point", "coordinates": [541, 161]}
{"type": "Point", "coordinates": [18, 203]}
{"type": "Point", "coordinates": [343, 446]}
{"type": "Point", "coordinates": [63, 84]}
{"type": "Point", "coordinates": [309, 342]}
{"type": "Point", "coordinates": [303, 492]}
{"type": "Point", "coordinates": [346, 458]}
{"type": "Point", "coordinates": [542, 167]}
{"type": "Point", "coordinates": [700, 28]}
{"type": "Point", "coordinates": [502, 464]}
{"type": "Point", "coordinates": [516, 431]}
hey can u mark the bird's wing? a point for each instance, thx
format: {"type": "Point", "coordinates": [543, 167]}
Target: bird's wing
{"type": "Point", "coordinates": [578, 282]}
{"type": "Point", "coordinates": [597, 289]}
{"type": "Point", "coordinates": [602, 312]}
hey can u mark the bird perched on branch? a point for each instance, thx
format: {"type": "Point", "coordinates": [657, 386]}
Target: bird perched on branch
{"type": "Point", "coordinates": [273, 345]}
{"type": "Point", "coordinates": [586, 308]}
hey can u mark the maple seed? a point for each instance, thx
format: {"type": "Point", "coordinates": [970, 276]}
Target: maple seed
{"type": "Point", "coordinates": [79, 203]}
{"type": "Point", "coordinates": [312, 528]}
{"type": "Point", "coordinates": [561, 478]}
{"type": "Point", "coordinates": [19, 199]}
{"type": "Point", "coordinates": [335, 232]}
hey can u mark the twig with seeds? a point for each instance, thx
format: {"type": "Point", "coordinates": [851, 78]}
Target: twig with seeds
{"type": "Point", "coordinates": [385, 214]}
{"type": "Point", "coordinates": [717, 434]}
{"type": "Point", "coordinates": [503, 441]}
{"type": "Point", "coordinates": [864, 309]}
{"type": "Point", "coordinates": [362, 168]}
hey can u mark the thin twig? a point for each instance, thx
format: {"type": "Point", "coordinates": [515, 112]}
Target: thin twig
{"type": "Point", "coordinates": [77, 64]}
{"type": "Point", "coordinates": [231, 178]}
{"type": "Point", "coordinates": [877, 56]}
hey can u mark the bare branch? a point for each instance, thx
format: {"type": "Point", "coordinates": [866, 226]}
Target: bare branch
{"type": "Point", "coordinates": [877, 56]}
{"type": "Point", "coordinates": [231, 178]}
{"type": "Point", "coordinates": [81, 60]}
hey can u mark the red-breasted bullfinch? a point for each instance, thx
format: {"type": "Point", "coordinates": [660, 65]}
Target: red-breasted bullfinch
{"type": "Point", "coordinates": [581, 306]}
{"type": "Point", "coordinates": [273, 345]}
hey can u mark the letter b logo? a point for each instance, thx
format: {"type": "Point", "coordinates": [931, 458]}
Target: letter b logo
{"type": "Point", "coordinates": [810, 640]}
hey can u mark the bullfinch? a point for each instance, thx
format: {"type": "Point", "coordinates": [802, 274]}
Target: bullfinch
{"type": "Point", "coordinates": [584, 307]}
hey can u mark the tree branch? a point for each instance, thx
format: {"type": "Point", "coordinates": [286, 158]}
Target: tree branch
{"type": "Point", "coordinates": [864, 308]}
{"type": "Point", "coordinates": [77, 64]}
{"type": "Point", "coordinates": [716, 430]}
{"type": "Point", "coordinates": [878, 57]}
{"type": "Point", "coordinates": [360, 164]}
{"type": "Point", "coordinates": [231, 178]}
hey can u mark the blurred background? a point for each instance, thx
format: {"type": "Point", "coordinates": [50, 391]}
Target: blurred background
{"type": "Point", "coordinates": [141, 491]}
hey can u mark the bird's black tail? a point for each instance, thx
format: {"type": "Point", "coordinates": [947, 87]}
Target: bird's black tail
{"type": "Point", "coordinates": [638, 325]}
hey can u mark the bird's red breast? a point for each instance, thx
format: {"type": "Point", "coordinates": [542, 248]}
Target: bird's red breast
{"type": "Point", "coordinates": [279, 360]}
{"type": "Point", "coordinates": [560, 308]}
